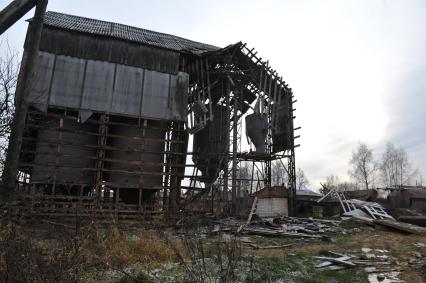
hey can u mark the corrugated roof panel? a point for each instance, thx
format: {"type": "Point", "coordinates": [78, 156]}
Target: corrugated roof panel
{"type": "Point", "coordinates": [124, 32]}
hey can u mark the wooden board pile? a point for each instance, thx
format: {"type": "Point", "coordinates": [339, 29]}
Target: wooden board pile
{"type": "Point", "coordinates": [284, 226]}
{"type": "Point", "coordinates": [291, 227]}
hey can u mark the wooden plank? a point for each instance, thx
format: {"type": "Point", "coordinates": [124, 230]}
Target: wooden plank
{"type": "Point", "coordinates": [252, 210]}
{"type": "Point", "coordinates": [406, 227]}
{"type": "Point", "coordinates": [341, 260]}
{"type": "Point", "coordinates": [132, 121]}
{"type": "Point", "coordinates": [270, 247]}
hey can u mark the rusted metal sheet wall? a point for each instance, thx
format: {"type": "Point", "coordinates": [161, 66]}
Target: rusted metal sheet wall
{"type": "Point", "coordinates": [108, 87]}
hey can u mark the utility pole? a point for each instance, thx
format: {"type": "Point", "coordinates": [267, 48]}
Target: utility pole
{"type": "Point", "coordinates": [21, 101]}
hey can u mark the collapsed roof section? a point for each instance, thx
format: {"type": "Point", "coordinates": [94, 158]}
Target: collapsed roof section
{"type": "Point", "coordinates": [250, 80]}
{"type": "Point", "coordinates": [235, 82]}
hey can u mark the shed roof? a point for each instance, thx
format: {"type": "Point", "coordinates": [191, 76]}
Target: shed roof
{"type": "Point", "coordinates": [272, 192]}
{"type": "Point", "coordinates": [124, 32]}
{"type": "Point", "coordinates": [307, 192]}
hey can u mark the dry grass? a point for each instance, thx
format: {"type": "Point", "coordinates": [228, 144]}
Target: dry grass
{"type": "Point", "coordinates": [116, 250]}
{"type": "Point", "coordinates": [92, 253]}
{"type": "Point", "coordinates": [67, 254]}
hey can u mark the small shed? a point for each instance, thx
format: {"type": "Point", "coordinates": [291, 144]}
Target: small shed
{"type": "Point", "coordinates": [306, 204]}
{"type": "Point", "coordinates": [411, 198]}
{"type": "Point", "coordinates": [272, 202]}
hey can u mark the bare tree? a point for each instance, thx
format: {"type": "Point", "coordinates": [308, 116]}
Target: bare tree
{"type": "Point", "coordinates": [279, 174]}
{"type": "Point", "coordinates": [364, 166]}
{"type": "Point", "coordinates": [9, 70]}
{"type": "Point", "coordinates": [245, 176]}
{"type": "Point", "coordinates": [395, 168]}
{"type": "Point", "coordinates": [330, 183]}
{"type": "Point", "coordinates": [333, 182]}
{"type": "Point", "coordinates": [302, 181]}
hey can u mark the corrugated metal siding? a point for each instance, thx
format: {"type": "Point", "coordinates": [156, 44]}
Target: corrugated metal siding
{"type": "Point", "coordinates": [272, 207]}
{"type": "Point", "coordinates": [128, 82]}
{"type": "Point", "coordinates": [41, 85]}
{"type": "Point", "coordinates": [107, 87]}
{"type": "Point", "coordinates": [68, 77]}
{"type": "Point", "coordinates": [98, 86]}
{"type": "Point", "coordinates": [123, 32]}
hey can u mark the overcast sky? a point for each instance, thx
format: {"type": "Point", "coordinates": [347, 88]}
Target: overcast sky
{"type": "Point", "coordinates": [357, 68]}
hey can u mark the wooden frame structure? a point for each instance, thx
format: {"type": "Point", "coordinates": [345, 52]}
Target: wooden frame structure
{"type": "Point", "coordinates": [89, 154]}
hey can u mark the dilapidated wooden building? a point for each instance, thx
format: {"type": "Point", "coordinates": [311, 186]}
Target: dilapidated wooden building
{"type": "Point", "coordinates": [115, 111]}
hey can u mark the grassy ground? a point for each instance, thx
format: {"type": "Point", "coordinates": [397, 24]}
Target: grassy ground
{"type": "Point", "coordinates": [95, 254]}
{"type": "Point", "coordinates": [400, 246]}
{"type": "Point", "coordinates": [296, 263]}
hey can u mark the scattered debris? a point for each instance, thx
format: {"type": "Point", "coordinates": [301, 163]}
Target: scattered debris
{"type": "Point", "coordinates": [390, 277]}
{"type": "Point", "coordinates": [376, 262]}
{"type": "Point", "coordinates": [290, 227]}
{"type": "Point", "coordinates": [358, 214]}
{"type": "Point", "coordinates": [419, 245]}
{"type": "Point", "coordinates": [372, 213]}
{"type": "Point", "coordinates": [343, 260]}
{"type": "Point", "coordinates": [363, 210]}
{"type": "Point", "coordinates": [366, 250]}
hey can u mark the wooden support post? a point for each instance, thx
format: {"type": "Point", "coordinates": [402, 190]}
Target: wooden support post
{"type": "Point", "coordinates": [176, 179]}
{"type": "Point", "coordinates": [13, 12]}
{"type": "Point", "coordinates": [140, 197]}
{"type": "Point", "coordinates": [234, 152]}
{"type": "Point", "coordinates": [251, 179]}
{"type": "Point", "coordinates": [101, 154]}
{"type": "Point", "coordinates": [117, 199]}
{"type": "Point", "coordinates": [166, 182]}
{"type": "Point", "coordinates": [21, 106]}
{"type": "Point", "coordinates": [226, 132]}
{"type": "Point", "coordinates": [292, 161]}
{"type": "Point", "coordinates": [58, 154]}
